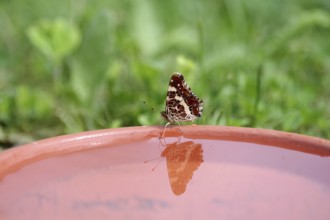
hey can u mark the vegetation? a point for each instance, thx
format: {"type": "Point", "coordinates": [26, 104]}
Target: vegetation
{"type": "Point", "coordinates": [68, 65]}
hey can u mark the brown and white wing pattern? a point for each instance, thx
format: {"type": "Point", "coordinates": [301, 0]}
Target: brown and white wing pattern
{"type": "Point", "coordinates": [181, 103]}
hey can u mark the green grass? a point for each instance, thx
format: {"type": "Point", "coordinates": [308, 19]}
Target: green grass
{"type": "Point", "coordinates": [70, 66]}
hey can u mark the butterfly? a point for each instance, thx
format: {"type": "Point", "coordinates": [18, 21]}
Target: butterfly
{"type": "Point", "coordinates": [181, 103]}
{"type": "Point", "coordinates": [182, 160]}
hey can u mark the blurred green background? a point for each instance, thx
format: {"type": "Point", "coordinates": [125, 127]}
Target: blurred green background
{"type": "Point", "coordinates": [69, 66]}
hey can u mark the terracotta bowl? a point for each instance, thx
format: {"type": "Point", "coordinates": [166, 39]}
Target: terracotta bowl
{"type": "Point", "coordinates": [196, 172]}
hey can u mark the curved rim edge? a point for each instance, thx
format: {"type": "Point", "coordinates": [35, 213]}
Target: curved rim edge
{"type": "Point", "coordinates": [14, 158]}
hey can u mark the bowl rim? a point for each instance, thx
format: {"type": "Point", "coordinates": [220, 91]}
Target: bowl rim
{"type": "Point", "coordinates": [14, 158]}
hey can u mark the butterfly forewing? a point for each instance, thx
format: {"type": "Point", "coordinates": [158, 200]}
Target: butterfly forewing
{"type": "Point", "coordinates": [181, 103]}
{"type": "Point", "coordinates": [182, 160]}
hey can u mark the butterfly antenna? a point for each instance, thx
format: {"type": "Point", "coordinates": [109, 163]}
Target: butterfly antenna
{"type": "Point", "coordinates": [152, 109]}
{"type": "Point", "coordinates": [160, 120]}
{"type": "Point", "coordinates": [158, 162]}
{"type": "Point", "coordinates": [147, 161]}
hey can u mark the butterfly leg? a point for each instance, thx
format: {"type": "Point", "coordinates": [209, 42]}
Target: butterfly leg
{"type": "Point", "coordinates": [165, 129]}
{"type": "Point", "coordinates": [180, 129]}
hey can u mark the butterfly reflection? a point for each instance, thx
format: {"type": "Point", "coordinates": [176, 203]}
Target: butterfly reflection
{"type": "Point", "coordinates": [182, 160]}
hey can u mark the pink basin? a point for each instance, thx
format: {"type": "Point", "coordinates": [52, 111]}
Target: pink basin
{"type": "Point", "coordinates": [203, 172]}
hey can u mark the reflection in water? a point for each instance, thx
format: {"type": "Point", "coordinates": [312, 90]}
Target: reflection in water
{"type": "Point", "coordinates": [182, 160]}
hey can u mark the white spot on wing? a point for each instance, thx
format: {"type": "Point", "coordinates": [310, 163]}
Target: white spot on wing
{"type": "Point", "coordinates": [171, 89]}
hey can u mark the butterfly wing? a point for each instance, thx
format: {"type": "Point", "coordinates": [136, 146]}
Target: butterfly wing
{"type": "Point", "coordinates": [181, 103]}
{"type": "Point", "coordinates": [182, 161]}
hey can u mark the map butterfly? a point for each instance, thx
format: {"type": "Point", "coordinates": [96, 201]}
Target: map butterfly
{"type": "Point", "coordinates": [181, 103]}
{"type": "Point", "coordinates": [182, 160]}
